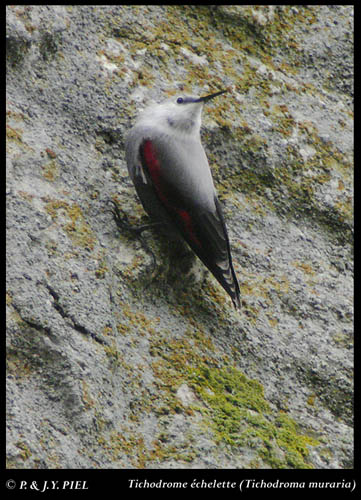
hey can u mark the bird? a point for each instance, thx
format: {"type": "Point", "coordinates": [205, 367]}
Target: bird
{"type": "Point", "coordinates": [170, 171]}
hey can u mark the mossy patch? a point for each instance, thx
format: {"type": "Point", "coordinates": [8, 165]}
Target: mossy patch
{"type": "Point", "coordinates": [51, 170]}
{"type": "Point", "coordinates": [233, 406]}
{"type": "Point", "coordinates": [76, 227]}
{"type": "Point", "coordinates": [240, 416]}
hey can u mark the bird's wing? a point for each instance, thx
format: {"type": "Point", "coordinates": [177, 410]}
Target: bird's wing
{"type": "Point", "coordinates": [217, 257]}
{"type": "Point", "coordinates": [187, 195]}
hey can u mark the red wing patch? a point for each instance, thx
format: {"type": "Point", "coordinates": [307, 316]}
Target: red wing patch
{"type": "Point", "coordinates": [153, 165]}
{"type": "Point", "coordinates": [167, 193]}
{"type": "Point", "coordinates": [189, 226]}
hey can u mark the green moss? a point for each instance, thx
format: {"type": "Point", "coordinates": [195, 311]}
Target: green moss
{"type": "Point", "coordinates": [25, 451]}
{"type": "Point", "coordinates": [51, 170]}
{"type": "Point", "coordinates": [227, 404]}
{"type": "Point", "coordinates": [233, 406]}
{"type": "Point", "coordinates": [295, 444]}
{"type": "Point", "coordinates": [13, 134]}
{"type": "Point", "coordinates": [240, 416]}
{"type": "Point", "coordinates": [102, 269]}
{"type": "Point", "coordinates": [114, 356]}
{"type": "Point", "coordinates": [284, 123]}
{"type": "Point", "coordinates": [76, 228]}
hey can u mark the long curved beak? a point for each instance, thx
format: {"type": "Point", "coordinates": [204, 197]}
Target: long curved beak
{"type": "Point", "coordinates": [210, 96]}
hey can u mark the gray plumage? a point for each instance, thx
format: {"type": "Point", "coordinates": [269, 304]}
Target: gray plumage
{"type": "Point", "coordinates": [170, 171]}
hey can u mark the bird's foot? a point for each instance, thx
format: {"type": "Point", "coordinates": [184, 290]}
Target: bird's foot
{"type": "Point", "coordinates": [123, 224]}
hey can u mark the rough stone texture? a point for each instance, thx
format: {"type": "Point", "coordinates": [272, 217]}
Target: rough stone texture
{"type": "Point", "coordinates": [110, 366]}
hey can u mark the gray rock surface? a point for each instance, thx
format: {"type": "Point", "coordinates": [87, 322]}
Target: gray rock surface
{"type": "Point", "coordinates": [113, 365]}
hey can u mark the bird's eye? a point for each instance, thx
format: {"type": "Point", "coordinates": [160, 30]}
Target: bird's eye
{"type": "Point", "coordinates": [180, 100]}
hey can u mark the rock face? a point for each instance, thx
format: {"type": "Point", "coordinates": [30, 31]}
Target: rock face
{"type": "Point", "coordinates": [112, 364]}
